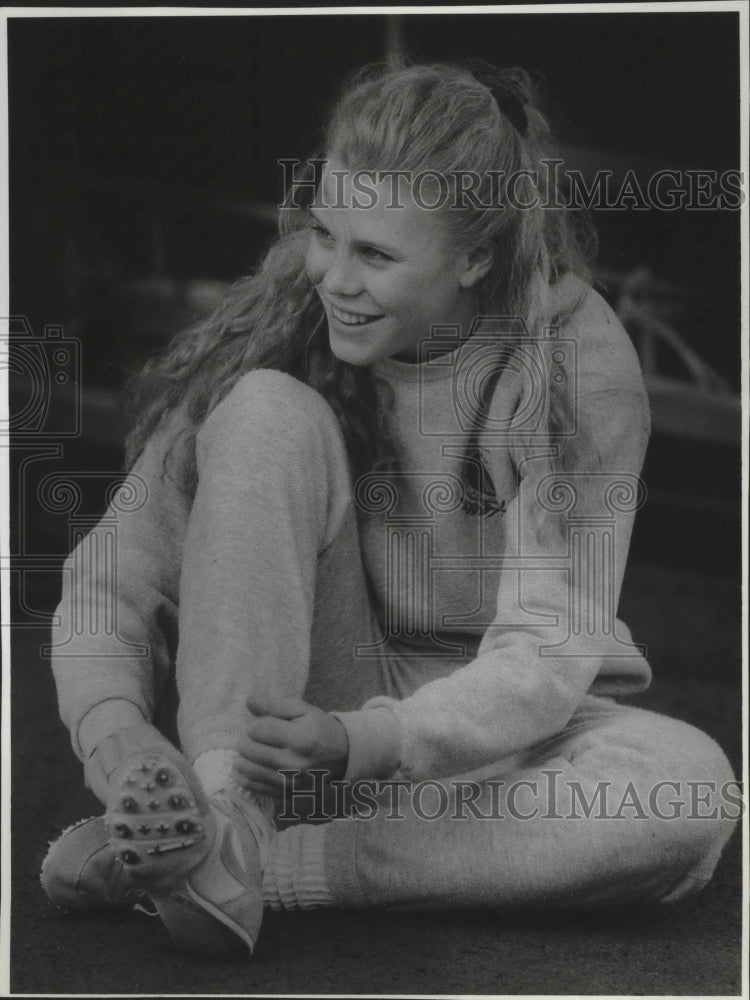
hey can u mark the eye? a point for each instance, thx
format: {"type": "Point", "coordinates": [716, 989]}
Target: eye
{"type": "Point", "coordinates": [375, 256]}
{"type": "Point", "coordinates": [321, 233]}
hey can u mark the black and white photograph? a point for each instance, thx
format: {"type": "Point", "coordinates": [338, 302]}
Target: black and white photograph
{"type": "Point", "coordinates": [373, 496]}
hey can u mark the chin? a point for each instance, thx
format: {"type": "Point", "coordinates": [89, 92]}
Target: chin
{"type": "Point", "coordinates": [352, 354]}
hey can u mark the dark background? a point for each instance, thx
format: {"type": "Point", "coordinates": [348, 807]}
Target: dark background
{"type": "Point", "coordinates": [141, 149]}
{"type": "Point", "coordinates": [142, 163]}
{"type": "Point", "coordinates": [206, 106]}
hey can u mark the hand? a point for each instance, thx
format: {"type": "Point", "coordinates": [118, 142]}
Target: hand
{"type": "Point", "coordinates": [289, 734]}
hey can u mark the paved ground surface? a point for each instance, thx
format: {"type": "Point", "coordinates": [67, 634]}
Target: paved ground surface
{"type": "Point", "coordinates": [690, 626]}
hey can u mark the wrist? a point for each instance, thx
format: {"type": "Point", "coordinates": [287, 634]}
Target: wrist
{"type": "Point", "coordinates": [374, 738]}
{"type": "Point", "coordinates": [104, 720]}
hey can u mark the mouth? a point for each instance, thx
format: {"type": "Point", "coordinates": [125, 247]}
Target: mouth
{"type": "Point", "coordinates": [346, 318]}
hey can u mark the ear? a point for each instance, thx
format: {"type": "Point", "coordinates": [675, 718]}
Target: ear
{"type": "Point", "coordinates": [477, 264]}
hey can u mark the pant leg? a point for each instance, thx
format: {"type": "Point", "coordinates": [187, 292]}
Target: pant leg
{"type": "Point", "coordinates": [527, 841]}
{"type": "Point", "coordinates": [271, 548]}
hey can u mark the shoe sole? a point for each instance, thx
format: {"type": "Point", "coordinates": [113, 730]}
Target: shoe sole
{"type": "Point", "coordinates": [158, 819]}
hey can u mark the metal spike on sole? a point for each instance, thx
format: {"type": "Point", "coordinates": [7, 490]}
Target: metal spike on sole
{"type": "Point", "coordinates": [165, 848]}
{"type": "Point", "coordinates": [174, 803]}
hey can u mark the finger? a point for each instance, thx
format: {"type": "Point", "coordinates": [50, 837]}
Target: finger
{"type": "Point", "coordinates": [257, 705]}
{"type": "Point", "coordinates": [263, 790]}
{"type": "Point", "coordinates": [292, 737]}
{"type": "Point", "coordinates": [269, 730]}
{"type": "Point", "coordinates": [258, 774]}
{"type": "Point", "coordinates": [281, 708]}
{"type": "Point", "coordinates": [274, 758]}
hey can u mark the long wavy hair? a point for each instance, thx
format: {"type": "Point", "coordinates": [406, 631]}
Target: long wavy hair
{"type": "Point", "coordinates": [438, 117]}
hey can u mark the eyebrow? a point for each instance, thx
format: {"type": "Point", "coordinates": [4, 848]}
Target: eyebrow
{"type": "Point", "coordinates": [359, 244]}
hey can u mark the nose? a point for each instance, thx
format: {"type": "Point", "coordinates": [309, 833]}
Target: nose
{"type": "Point", "coordinates": [342, 275]}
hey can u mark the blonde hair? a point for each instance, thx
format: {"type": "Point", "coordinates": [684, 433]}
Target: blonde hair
{"type": "Point", "coordinates": [438, 117]}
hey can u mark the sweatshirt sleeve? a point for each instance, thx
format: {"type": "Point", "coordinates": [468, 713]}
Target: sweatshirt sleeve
{"type": "Point", "coordinates": [555, 631]}
{"type": "Point", "coordinates": [114, 632]}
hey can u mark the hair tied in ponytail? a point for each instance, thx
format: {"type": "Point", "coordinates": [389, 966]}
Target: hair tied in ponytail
{"type": "Point", "coordinates": [510, 87]}
{"type": "Point", "coordinates": [512, 106]}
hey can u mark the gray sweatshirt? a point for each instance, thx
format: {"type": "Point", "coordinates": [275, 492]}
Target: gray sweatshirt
{"type": "Point", "coordinates": [525, 574]}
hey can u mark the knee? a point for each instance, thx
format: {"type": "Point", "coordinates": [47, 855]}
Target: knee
{"type": "Point", "coordinates": [698, 811]}
{"type": "Point", "coordinates": [280, 400]}
{"type": "Point", "coordinates": [272, 409]}
{"type": "Point", "coordinates": [666, 752]}
{"type": "Point", "coordinates": [674, 796]}
{"type": "Point", "coordinates": [708, 785]}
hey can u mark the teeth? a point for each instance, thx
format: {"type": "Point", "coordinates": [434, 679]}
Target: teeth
{"type": "Point", "coordinates": [350, 318]}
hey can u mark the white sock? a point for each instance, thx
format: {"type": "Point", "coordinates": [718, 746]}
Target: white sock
{"type": "Point", "coordinates": [215, 771]}
{"type": "Point", "coordinates": [294, 876]}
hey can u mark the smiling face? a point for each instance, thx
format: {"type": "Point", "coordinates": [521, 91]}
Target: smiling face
{"type": "Point", "coordinates": [384, 274]}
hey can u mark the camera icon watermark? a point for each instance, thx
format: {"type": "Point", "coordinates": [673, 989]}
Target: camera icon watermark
{"type": "Point", "coordinates": [92, 577]}
{"type": "Point", "coordinates": [497, 430]}
{"type": "Point", "coordinates": [498, 346]}
{"type": "Point", "coordinates": [44, 380]}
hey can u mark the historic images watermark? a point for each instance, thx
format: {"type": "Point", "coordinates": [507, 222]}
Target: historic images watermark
{"type": "Point", "coordinates": [549, 797]}
{"type": "Point", "coordinates": [553, 187]}
{"type": "Point", "coordinates": [45, 412]}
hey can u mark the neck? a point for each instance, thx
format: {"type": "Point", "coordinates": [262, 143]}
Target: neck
{"type": "Point", "coordinates": [457, 331]}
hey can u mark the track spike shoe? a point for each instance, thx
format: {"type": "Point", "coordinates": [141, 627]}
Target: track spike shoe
{"type": "Point", "coordinates": [80, 871]}
{"type": "Point", "coordinates": [197, 859]}
{"type": "Point", "coordinates": [158, 819]}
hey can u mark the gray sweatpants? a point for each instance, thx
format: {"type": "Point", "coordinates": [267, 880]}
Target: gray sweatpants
{"type": "Point", "coordinates": [622, 804]}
